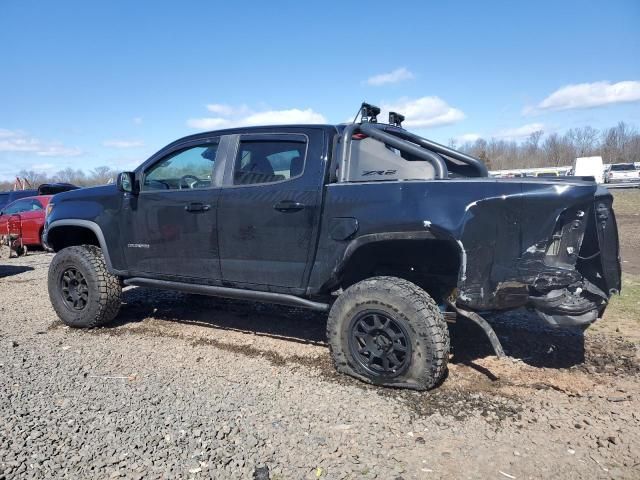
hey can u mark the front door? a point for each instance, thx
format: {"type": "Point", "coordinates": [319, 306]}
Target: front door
{"type": "Point", "coordinates": [268, 210]}
{"type": "Point", "coordinates": [170, 225]}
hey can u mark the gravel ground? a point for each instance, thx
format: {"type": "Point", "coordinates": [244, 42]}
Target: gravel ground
{"type": "Point", "coordinates": [183, 386]}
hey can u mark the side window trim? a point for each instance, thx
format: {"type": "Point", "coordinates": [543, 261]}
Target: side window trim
{"type": "Point", "coordinates": [232, 153]}
{"type": "Point", "coordinates": [144, 168]}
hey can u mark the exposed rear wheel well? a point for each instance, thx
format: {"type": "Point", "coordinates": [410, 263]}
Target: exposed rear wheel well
{"type": "Point", "coordinates": [433, 265]}
{"type": "Point", "coordinates": [70, 235]}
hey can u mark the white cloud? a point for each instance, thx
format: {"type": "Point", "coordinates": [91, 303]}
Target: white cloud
{"type": "Point", "coordinates": [230, 116]}
{"type": "Point", "coordinates": [468, 137]}
{"type": "Point", "coordinates": [208, 123]}
{"type": "Point", "coordinates": [276, 117]}
{"type": "Point", "coordinates": [228, 110]}
{"type": "Point", "coordinates": [20, 142]}
{"type": "Point", "coordinates": [123, 143]}
{"type": "Point", "coordinates": [519, 132]}
{"type": "Point", "coordinates": [397, 75]}
{"type": "Point", "coordinates": [137, 120]}
{"type": "Point", "coordinates": [424, 112]}
{"type": "Point", "coordinates": [43, 167]}
{"type": "Point", "coordinates": [588, 95]}
{"type": "Point", "coordinates": [4, 133]}
{"type": "Point", "coordinates": [58, 150]}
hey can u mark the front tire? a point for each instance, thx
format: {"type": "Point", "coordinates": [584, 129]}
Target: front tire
{"type": "Point", "coordinates": [82, 292]}
{"type": "Point", "coordinates": [43, 244]}
{"type": "Point", "coordinates": [388, 331]}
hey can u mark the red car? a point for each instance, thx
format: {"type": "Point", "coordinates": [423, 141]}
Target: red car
{"type": "Point", "coordinates": [31, 211]}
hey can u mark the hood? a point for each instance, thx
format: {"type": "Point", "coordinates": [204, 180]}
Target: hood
{"type": "Point", "coordinates": [85, 193]}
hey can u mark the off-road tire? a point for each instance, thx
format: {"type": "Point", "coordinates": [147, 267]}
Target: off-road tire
{"type": "Point", "coordinates": [416, 314]}
{"type": "Point", "coordinates": [103, 288]}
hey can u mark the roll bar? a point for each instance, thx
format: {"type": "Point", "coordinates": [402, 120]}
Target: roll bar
{"type": "Point", "coordinates": [449, 152]}
{"type": "Point", "coordinates": [399, 138]}
{"type": "Point", "coordinates": [433, 158]}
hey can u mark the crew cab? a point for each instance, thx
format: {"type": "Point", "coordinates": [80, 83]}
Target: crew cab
{"type": "Point", "coordinates": [388, 232]}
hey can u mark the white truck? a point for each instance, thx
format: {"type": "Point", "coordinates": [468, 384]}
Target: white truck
{"type": "Point", "coordinates": [589, 167]}
{"type": "Point", "coordinates": [625, 174]}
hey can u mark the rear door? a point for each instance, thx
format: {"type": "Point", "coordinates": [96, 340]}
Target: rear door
{"type": "Point", "coordinates": [169, 228]}
{"type": "Point", "coordinates": [269, 208]}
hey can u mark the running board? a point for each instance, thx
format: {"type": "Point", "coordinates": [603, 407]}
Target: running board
{"type": "Point", "coordinates": [226, 292]}
{"type": "Point", "coordinates": [482, 323]}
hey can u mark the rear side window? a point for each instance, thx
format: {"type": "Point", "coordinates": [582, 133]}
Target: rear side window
{"type": "Point", "coordinates": [269, 160]}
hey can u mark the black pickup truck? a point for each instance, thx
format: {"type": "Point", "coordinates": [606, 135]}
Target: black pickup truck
{"type": "Point", "coordinates": [389, 232]}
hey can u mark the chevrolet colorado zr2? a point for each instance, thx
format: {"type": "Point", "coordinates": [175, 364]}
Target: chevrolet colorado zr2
{"type": "Point", "coordinates": [390, 233]}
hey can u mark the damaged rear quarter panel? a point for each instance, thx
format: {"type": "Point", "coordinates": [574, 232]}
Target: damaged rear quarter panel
{"type": "Point", "coordinates": [501, 228]}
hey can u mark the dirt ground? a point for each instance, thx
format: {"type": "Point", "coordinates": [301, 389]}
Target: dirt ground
{"type": "Point", "coordinates": [626, 204]}
{"type": "Point", "coordinates": [623, 314]}
{"type": "Point", "coordinates": [247, 386]}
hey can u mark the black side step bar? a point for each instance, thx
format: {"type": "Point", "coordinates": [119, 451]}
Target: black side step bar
{"type": "Point", "coordinates": [482, 323]}
{"type": "Point", "coordinates": [214, 291]}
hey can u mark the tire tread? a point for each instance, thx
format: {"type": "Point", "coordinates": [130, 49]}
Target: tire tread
{"type": "Point", "coordinates": [109, 290]}
{"type": "Point", "coordinates": [430, 326]}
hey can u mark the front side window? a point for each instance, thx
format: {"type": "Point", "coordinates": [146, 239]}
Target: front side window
{"type": "Point", "coordinates": [187, 169]}
{"type": "Point", "coordinates": [268, 161]}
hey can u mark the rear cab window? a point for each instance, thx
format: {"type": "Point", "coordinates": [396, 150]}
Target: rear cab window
{"type": "Point", "coordinates": [623, 167]}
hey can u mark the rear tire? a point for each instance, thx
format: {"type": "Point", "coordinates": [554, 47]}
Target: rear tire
{"type": "Point", "coordinates": [82, 292]}
{"type": "Point", "coordinates": [388, 331]}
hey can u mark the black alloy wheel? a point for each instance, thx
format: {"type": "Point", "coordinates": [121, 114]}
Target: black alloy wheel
{"type": "Point", "coordinates": [379, 344]}
{"type": "Point", "coordinates": [74, 289]}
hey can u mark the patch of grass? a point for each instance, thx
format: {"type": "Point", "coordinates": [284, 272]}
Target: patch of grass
{"type": "Point", "coordinates": [626, 201]}
{"type": "Point", "coordinates": [622, 316]}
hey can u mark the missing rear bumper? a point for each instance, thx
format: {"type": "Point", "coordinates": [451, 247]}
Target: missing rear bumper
{"type": "Point", "coordinates": [575, 307]}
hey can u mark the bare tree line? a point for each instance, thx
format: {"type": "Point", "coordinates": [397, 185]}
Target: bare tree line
{"type": "Point", "coordinates": [97, 176]}
{"type": "Point", "coordinates": [617, 144]}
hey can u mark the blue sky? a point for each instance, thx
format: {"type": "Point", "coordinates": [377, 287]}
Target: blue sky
{"type": "Point", "coordinates": [84, 83]}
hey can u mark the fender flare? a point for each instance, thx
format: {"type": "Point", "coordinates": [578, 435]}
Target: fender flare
{"type": "Point", "coordinates": [362, 240]}
{"type": "Point", "coordinates": [94, 227]}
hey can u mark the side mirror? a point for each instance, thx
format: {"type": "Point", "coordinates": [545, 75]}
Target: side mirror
{"type": "Point", "coordinates": [126, 182]}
